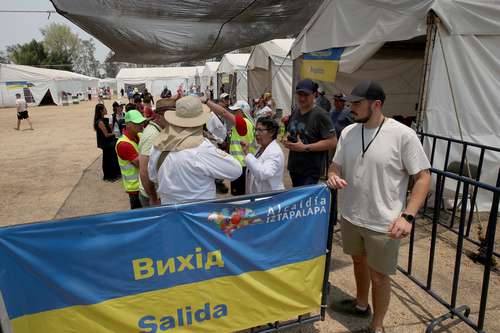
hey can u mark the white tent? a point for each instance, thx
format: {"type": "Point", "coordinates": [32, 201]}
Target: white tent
{"type": "Point", "coordinates": [270, 70]}
{"type": "Point", "coordinates": [108, 82]}
{"type": "Point", "coordinates": [453, 77]}
{"type": "Point", "coordinates": [199, 73]}
{"type": "Point", "coordinates": [209, 76]}
{"type": "Point", "coordinates": [232, 73]}
{"type": "Point", "coordinates": [155, 79]}
{"type": "Point", "coordinates": [40, 82]}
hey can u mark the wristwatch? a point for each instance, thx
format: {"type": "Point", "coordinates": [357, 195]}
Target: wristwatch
{"type": "Point", "coordinates": [408, 217]}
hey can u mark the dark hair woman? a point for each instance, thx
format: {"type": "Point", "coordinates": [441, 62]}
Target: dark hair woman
{"type": "Point", "coordinates": [106, 140]}
{"type": "Point", "coordinates": [265, 169]}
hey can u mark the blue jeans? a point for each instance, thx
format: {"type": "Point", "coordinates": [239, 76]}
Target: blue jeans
{"type": "Point", "coordinates": [299, 180]}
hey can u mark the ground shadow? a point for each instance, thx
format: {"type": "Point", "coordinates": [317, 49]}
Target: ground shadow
{"type": "Point", "coordinates": [352, 324]}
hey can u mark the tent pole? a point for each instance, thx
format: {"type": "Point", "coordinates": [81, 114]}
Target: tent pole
{"type": "Point", "coordinates": [432, 20]}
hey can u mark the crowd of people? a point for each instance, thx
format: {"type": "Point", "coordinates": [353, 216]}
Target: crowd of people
{"type": "Point", "coordinates": [186, 147]}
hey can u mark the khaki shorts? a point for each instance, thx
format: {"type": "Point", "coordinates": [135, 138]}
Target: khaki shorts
{"type": "Point", "coordinates": [381, 251]}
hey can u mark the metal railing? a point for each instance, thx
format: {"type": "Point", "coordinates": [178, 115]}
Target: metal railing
{"type": "Point", "coordinates": [463, 311]}
{"type": "Point", "coordinates": [461, 167]}
{"type": "Point", "coordinates": [467, 178]}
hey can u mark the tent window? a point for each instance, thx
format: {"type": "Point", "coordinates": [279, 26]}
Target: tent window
{"type": "Point", "coordinates": [47, 99]}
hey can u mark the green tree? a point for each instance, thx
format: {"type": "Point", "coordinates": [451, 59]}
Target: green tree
{"type": "Point", "coordinates": [111, 68]}
{"type": "Point", "coordinates": [59, 39]}
{"type": "Point", "coordinates": [85, 61]}
{"type": "Point", "coordinates": [3, 58]}
{"type": "Point", "coordinates": [32, 53]}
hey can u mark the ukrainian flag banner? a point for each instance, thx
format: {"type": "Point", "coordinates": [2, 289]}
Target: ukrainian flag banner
{"type": "Point", "coordinates": [206, 267]}
{"type": "Point", "coordinates": [321, 65]}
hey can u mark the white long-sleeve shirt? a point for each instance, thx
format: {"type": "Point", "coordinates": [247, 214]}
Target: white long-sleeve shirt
{"type": "Point", "coordinates": [190, 174]}
{"type": "Point", "coordinates": [265, 173]}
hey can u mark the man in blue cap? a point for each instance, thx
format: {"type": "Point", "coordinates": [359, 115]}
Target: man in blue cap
{"type": "Point", "coordinates": [310, 136]}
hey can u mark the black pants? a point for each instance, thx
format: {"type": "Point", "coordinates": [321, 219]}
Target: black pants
{"type": "Point", "coordinates": [135, 201]}
{"type": "Point", "coordinates": [238, 186]}
{"type": "Point", "coordinates": [110, 166]}
{"type": "Point", "coordinates": [300, 180]}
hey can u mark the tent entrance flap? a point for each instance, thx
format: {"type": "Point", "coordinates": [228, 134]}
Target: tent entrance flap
{"type": "Point", "coordinates": [47, 99]}
{"type": "Point", "coordinates": [139, 86]}
{"type": "Point", "coordinates": [397, 66]}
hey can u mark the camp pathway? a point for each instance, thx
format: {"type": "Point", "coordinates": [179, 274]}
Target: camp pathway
{"type": "Point", "coordinates": [40, 168]}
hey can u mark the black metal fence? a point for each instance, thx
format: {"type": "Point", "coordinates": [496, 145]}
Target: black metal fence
{"type": "Point", "coordinates": [468, 177]}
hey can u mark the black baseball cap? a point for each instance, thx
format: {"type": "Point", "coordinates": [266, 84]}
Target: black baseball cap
{"type": "Point", "coordinates": [306, 86]}
{"type": "Point", "coordinates": [366, 90]}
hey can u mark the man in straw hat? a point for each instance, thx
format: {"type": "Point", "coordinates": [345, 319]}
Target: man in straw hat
{"type": "Point", "coordinates": [148, 195]}
{"type": "Point", "coordinates": [127, 149]}
{"type": "Point", "coordinates": [183, 163]}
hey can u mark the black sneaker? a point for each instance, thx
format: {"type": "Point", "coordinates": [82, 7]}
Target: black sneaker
{"type": "Point", "coordinates": [349, 306]}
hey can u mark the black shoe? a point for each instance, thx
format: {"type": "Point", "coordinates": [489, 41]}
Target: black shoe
{"type": "Point", "coordinates": [349, 306]}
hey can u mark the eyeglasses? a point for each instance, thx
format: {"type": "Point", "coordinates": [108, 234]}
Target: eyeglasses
{"type": "Point", "coordinates": [260, 130]}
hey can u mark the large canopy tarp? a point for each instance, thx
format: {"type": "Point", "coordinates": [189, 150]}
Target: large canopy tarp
{"type": "Point", "coordinates": [168, 31]}
{"type": "Point", "coordinates": [464, 77]}
{"type": "Point", "coordinates": [234, 65]}
{"type": "Point", "coordinates": [37, 81]}
{"type": "Point", "coordinates": [156, 79]}
{"type": "Point", "coordinates": [269, 70]}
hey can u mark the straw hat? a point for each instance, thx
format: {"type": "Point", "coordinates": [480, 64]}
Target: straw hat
{"type": "Point", "coordinates": [165, 104]}
{"type": "Point", "coordinates": [189, 112]}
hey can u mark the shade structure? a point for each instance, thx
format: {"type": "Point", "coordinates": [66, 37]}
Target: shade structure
{"type": "Point", "coordinates": [386, 42]}
{"type": "Point", "coordinates": [169, 31]}
{"type": "Point", "coordinates": [270, 70]}
{"type": "Point", "coordinates": [156, 79]}
{"type": "Point", "coordinates": [232, 75]}
{"type": "Point", "coordinates": [36, 83]}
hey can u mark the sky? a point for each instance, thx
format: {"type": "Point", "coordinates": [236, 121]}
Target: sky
{"type": "Point", "coordinates": [18, 28]}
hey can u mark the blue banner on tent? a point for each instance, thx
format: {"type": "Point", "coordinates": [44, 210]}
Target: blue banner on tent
{"type": "Point", "coordinates": [209, 267]}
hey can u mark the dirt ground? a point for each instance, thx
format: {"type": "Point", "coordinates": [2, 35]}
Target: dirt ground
{"type": "Point", "coordinates": [55, 172]}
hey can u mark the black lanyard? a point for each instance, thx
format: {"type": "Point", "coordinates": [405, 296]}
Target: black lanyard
{"type": "Point", "coordinates": [371, 141]}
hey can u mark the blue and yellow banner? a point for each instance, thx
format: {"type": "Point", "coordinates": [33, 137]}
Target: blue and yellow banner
{"type": "Point", "coordinates": [13, 85]}
{"type": "Point", "coordinates": [210, 267]}
{"type": "Point", "coordinates": [321, 65]}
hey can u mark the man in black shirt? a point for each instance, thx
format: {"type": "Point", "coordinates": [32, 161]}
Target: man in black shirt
{"type": "Point", "coordinates": [311, 135]}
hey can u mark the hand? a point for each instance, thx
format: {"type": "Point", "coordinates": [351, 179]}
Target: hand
{"type": "Point", "coordinates": [336, 182]}
{"type": "Point", "coordinates": [154, 202]}
{"type": "Point", "coordinates": [400, 228]}
{"type": "Point", "coordinates": [298, 146]}
{"type": "Point", "coordinates": [245, 147]}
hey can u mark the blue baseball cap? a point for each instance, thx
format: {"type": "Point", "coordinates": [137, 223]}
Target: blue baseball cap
{"type": "Point", "coordinates": [306, 86]}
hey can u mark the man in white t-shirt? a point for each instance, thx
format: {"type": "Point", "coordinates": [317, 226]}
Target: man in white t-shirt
{"type": "Point", "coordinates": [374, 159]}
{"type": "Point", "coordinates": [22, 112]}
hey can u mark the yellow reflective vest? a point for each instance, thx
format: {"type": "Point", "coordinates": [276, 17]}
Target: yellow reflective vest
{"type": "Point", "coordinates": [235, 148]}
{"type": "Point", "coordinates": [130, 173]}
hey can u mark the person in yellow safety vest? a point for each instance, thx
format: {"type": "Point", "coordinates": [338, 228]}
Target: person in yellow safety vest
{"type": "Point", "coordinates": [127, 149]}
{"type": "Point", "coordinates": [242, 130]}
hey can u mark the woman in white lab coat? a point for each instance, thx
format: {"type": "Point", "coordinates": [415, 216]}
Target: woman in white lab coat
{"type": "Point", "coordinates": [265, 169]}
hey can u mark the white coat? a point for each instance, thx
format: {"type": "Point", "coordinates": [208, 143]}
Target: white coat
{"type": "Point", "coordinates": [265, 173]}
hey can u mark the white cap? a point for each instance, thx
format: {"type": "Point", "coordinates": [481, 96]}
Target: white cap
{"type": "Point", "coordinates": [240, 105]}
{"type": "Point", "coordinates": [224, 96]}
